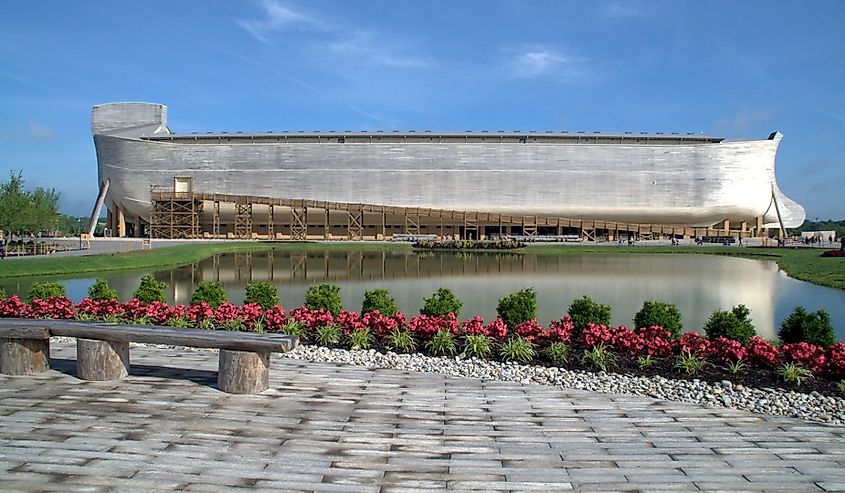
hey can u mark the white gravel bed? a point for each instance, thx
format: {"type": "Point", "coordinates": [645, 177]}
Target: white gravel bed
{"type": "Point", "coordinates": [775, 402]}
{"type": "Point", "coordinates": [813, 406]}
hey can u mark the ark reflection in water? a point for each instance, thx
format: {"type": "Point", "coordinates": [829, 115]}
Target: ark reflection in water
{"type": "Point", "coordinates": [698, 284]}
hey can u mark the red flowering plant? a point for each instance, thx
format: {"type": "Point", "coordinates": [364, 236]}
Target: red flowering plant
{"type": "Point", "coordinates": [423, 327]}
{"type": "Point", "coordinates": [694, 343]}
{"type": "Point", "coordinates": [836, 360]}
{"type": "Point", "coordinates": [133, 309]}
{"type": "Point", "coordinates": [159, 312]}
{"type": "Point", "coordinates": [594, 335]}
{"type": "Point", "coordinates": [658, 341]}
{"type": "Point", "coordinates": [761, 352]}
{"type": "Point", "coordinates": [251, 314]}
{"type": "Point", "coordinates": [200, 314]}
{"type": "Point", "coordinates": [474, 327]}
{"type": "Point", "coordinates": [275, 319]}
{"type": "Point", "coordinates": [561, 330]}
{"type": "Point", "coordinates": [627, 340]}
{"type": "Point", "coordinates": [807, 355]}
{"type": "Point", "coordinates": [56, 307]}
{"type": "Point", "coordinates": [12, 307]}
{"type": "Point", "coordinates": [382, 325]}
{"type": "Point", "coordinates": [349, 321]}
{"type": "Point", "coordinates": [834, 253]}
{"type": "Point", "coordinates": [726, 350]}
{"type": "Point", "coordinates": [497, 329]}
{"type": "Point", "coordinates": [531, 331]}
{"type": "Point", "coordinates": [98, 309]}
{"type": "Point", "coordinates": [311, 319]}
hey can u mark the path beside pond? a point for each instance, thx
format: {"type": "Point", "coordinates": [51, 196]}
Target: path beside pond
{"type": "Point", "coordinates": [338, 428]}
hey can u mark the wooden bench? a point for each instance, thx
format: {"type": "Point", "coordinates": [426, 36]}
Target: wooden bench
{"type": "Point", "coordinates": [102, 350]}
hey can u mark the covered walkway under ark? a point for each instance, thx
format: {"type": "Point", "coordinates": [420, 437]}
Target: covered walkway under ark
{"type": "Point", "coordinates": [179, 212]}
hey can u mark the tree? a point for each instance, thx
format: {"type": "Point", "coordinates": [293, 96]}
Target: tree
{"type": "Point", "coordinates": [24, 211]}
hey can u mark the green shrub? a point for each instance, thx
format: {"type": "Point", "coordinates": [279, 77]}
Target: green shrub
{"type": "Point", "coordinates": [360, 339]}
{"type": "Point", "coordinates": [45, 291]}
{"type": "Point", "coordinates": [379, 299]}
{"type": "Point", "coordinates": [101, 291]}
{"type": "Point", "coordinates": [3, 294]}
{"type": "Point", "coordinates": [442, 343]}
{"type": "Point", "coordinates": [518, 307]}
{"type": "Point", "coordinates": [478, 346]}
{"type": "Point", "coordinates": [442, 302]}
{"type": "Point", "coordinates": [733, 324]}
{"type": "Point", "coordinates": [325, 296]}
{"type": "Point", "coordinates": [211, 292]}
{"type": "Point", "coordinates": [803, 326]}
{"type": "Point", "coordinates": [150, 290]}
{"type": "Point", "coordinates": [584, 310]}
{"type": "Point", "coordinates": [401, 341]}
{"type": "Point", "coordinates": [600, 357]}
{"type": "Point", "coordinates": [517, 349]}
{"type": "Point", "coordinates": [665, 315]}
{"type": "Point", "coordinates": [262, 292]}
{"type": "Point", "coordinates": [328, 335]}
{"type": "Point", "coordinates": [558, 353]}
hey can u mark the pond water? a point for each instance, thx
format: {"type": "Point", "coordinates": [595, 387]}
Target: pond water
{"type": "Point", "coordinates": [698, 284]}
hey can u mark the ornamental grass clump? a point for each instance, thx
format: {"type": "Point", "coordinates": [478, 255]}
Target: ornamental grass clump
{"type": "Point", "coordinates": [211, 292]}
{"type": "Point", "coordinates": [45, 291]}
{"type": "Point", "coordinates": [442, 302]}
{"type": "Point", "coordinates": [691, 363]}
{"type": "Point", "coordinates": [442, 344]}
{"type": "Point", "coordinates": [150, 290]}
{"type": "Point", "coordinates": [478, 346]}
{"type": "Point", "coordinates": [557, 353]}
{"type": "Point", "coordinates": [600, 357]}
{"type": "Point", "coordinates": [644, 362]}
{"type": "Point", "coordinates": [324, 296]}
{"type": "Point", "coordinates": [379, 300]}
{"type": "Point", "coordinates": [518, 307]}
{"type": "Point", "coordinates": [263, 293]}
{"type": "Point", "coordinates": [803, 326]}
{"type": "Point", "coordinates": [734, 324]}
{"type": "Point", "coordinates": [793, 373]}
{"type": "Point", "coordinates": [360, 339]}
{"type": "Point", "coordinates": [584, 311]}
{"type": "Point", "coordinates": [295, 328]}
{"type": "Point", "coordinates": [665, 315]}
{"type": "Point", "coordinates": [736, 367]}
{"type": "Point", "coordinates": [328, 335]}
{"type": "Point", "coordinates": [401, 341]}
{"type": "Point", "coordinates": [101, 291]}
{"type": "Point", "coordinates": [517, 349]}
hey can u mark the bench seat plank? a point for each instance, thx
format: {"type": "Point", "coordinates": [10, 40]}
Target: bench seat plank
{"type": "Point", "coordinates": [237, 341]}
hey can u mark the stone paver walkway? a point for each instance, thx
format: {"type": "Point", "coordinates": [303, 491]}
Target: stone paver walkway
{"type": "Point", "coordinates": [339, 428]}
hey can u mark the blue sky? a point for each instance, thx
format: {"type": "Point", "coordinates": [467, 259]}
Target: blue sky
{"type": "Point", "coordinates": [732, 69]}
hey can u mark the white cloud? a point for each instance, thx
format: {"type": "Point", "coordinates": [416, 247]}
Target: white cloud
{"type": "Point", "coordinates": [624, 9]}
{"type": "Point", "coordinates": [535, 61]}
{"type": "Point", "coordinates": [367, 48]}
{"type": "Point", "coordinates": [276, 17]}
{"type": "Point", "coordinates": [31, 132]}
{"type": "Point", "coordinates": [747, 118]}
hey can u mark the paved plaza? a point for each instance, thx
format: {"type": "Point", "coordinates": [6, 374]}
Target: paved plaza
{"type": "Point", "coordinates": [325, 427]}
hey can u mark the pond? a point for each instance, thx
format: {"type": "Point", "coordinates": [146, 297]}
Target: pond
{"type": "Point", "coordinates": [698, 284]}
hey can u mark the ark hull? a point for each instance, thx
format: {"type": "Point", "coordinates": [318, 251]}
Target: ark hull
{"type": "Point", "coordinates": [651, 180]}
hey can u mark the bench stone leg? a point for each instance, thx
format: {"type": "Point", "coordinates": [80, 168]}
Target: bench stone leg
{"type": "Point", "coordinates": [24, 356]}
{"type": "Point", "coordinates": [101, 360]}
{"type": "Point", "coordinates": [243, 372]}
